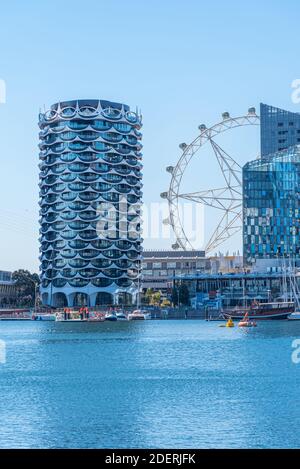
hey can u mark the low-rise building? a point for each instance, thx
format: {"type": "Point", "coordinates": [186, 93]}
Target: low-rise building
{"type": "Point", "coordinates": [8, 290]}
{"type": "Point", "coordinates": [239, 288]}
{"type": "Point", "coordinates": [160, 266]}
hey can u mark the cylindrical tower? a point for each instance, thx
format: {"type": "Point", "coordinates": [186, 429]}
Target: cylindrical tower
{"type": "Point", "coordinates": [90, 203]}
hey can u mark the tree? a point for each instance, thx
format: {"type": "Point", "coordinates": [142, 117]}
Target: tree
{"type": "Point", "coordinates": [184, 295]}
{"type": "Point", "coordinates": [155, 299]}
{"type": "Point", "coordinates": [26, 283]}
{"type": "Point", "coordinates": [174, 296]}
{"type": "Point", "coordinates": [148, 295]}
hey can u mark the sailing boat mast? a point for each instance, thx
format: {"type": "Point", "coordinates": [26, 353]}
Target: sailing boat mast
{"type": "Point", "coordinates": [138, 301]}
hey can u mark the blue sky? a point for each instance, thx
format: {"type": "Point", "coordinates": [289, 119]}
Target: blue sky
{"type": "Point", "coordinates": [182, 63]}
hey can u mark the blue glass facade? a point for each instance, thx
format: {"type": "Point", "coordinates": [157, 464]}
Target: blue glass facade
{"type": "Point", "coordinates": [279, 129]}
{"type": "Point", "coordinates": [271, 206]}
{"type": "Point", "coordinates": [90, 197]}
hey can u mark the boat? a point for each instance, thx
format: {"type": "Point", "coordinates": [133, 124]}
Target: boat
{"type": "Point", "coordinates": [70, 315]}
{"type": "Point", "coordinates": [61, 319]}
{"type": "Point", "coordinates": [295, 316]}
{"type": "Point", "coordinates": [96, 317]}
{"type": "Point", "coordinates": [121, 316]}
{"type": "Point", "coordinates": [271, 310]}
{"type": "Point", "coordinates": [44, 317]}
{"type": "Point", "coordinates": [111, 316]}
{"type": "Point", "coordinates": [139, 314]}
{"type": "Point", "coordinates": [15, 314]}
{"type": "Point", "coordinates": [246, 322]}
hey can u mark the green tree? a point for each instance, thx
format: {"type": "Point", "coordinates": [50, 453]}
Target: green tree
{"type": "Point", "coordinates": [26, 283]}
{"type": "Point", "coordinates": [155, 299]}
{"type": "Point", "coordinates": [174, 296]}
{"type": "Point", "coordinates": [184, 295]}
{"type": "Point", "coordinates": [148, 295]}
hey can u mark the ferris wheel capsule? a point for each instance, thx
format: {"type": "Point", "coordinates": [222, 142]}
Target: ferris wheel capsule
{"type": "Point", "coordinates": [252, 111]}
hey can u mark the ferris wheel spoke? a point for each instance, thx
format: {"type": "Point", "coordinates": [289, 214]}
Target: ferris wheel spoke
{"type": "Point", "coordinates": [221, 198]}
{"type": "Point", "coordinates": [227, 227]}
{"type": "Point", "coordinates": [229, 167]}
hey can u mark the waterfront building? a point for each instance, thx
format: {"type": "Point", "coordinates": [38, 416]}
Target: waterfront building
{"type": "Point", "coordinates": [271, 206]}
{"type": "Point", "coordinates": [279, 129]}
{"type": "Point", "coordinates": [90, 198]}
{"type": "Point", "coordinates": [237, 289]}
{"type": "Point", "coordinates": [160, 266]}
{"type": "Point", "coordinates": [8, 289]}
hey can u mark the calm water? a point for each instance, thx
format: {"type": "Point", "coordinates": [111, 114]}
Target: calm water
{"type": "Point", "coordinates": [149, 384]}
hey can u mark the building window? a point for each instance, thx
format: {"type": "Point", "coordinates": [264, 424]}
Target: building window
{"type": "Point", "coordinates": [163, 273]}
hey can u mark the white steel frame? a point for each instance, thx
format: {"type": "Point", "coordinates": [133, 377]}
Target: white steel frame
{"type": "Point", "coordinates": [228, 198]}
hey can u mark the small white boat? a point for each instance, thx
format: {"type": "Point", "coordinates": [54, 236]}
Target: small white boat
{"type": "Point", "coordinates": [70, 320]}
{"type": "Point", "coordinates": [44, 317]}
{"type": "Point", "coordinates": [294, 316]}
{"type": "Point", "coordinates": [111, 317]}
{"type": "Point", "coordinates": [121, 316]}
{"type": "Point", "coordinates": [139, 314]}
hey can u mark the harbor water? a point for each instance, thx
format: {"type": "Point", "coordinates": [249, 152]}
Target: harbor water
{"type": "Point", "coordinates": [149, 384]}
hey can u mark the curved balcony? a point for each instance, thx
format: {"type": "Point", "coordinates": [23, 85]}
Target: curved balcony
{"type": "Point", "coordinates": [78, 282]}
{"type": "Point", "coordinates": [89, 253]}
{"type": "Point", "coordinates": [101, 244]}
{"type": "Point", "coordinates": [78, 244]}
{"type": "Point", "coordinates": [59, 282]}
{"type": "Point", "coordinates": [101, 282]}
{"type": "Point", "coordinates": [124, 282]}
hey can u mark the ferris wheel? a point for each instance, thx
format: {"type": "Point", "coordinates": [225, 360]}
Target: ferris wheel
{"type": "Point", "coordinates": [227, 199]}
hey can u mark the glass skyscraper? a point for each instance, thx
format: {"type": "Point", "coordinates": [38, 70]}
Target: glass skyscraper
{"type": "Point", "coordinates": [279, 129]}
{"type": "Point", "coordinates": [90, 201]}
{"type": "Point", "coordinates": [271, 206]}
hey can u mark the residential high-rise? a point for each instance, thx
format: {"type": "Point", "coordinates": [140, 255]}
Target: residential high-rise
{"type": "Point", "coordinates": [90, 197]}
{"type": "Point", "coordinates": [279, 129]}
{"type": "Point", "coordinates": [271, 206]}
